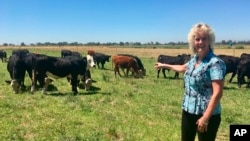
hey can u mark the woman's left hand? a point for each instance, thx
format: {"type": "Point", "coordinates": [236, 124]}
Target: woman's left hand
{"type": "Point", "coordinates": [202, 125]}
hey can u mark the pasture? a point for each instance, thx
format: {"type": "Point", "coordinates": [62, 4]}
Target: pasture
{"type": "Point", "coordinates": [116, 108]}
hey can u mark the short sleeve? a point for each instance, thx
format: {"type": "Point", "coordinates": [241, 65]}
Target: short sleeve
{"type": "Point", "coordinates": [218, 70]}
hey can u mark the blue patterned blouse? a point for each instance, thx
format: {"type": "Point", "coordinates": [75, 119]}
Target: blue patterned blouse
{"type": "Point", "coordinates": [198, 83]}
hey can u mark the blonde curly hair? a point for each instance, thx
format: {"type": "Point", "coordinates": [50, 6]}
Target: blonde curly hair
{"type": "Point", "coordinates": [201, 27]}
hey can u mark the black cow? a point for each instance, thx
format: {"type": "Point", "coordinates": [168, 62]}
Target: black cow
{"type": "Point", "coordinates": [243, 70]}
{"type": "Point", "coordinates": [173, 60]}
{"type": "Point", "coordinates": [56, 67]}
{"type": "Point", "coordinates": [65, 53]}
{"type": "Point", "coordinates": [16, 69]}
{"type": "Point", "coordinates": [231, 64]}
{"type": "Point", "coordinates": [100, 58]}
{"type": "Point", "coordinates": [75, 53]}
{"type": "Point", "coordinates": [3, 55]}
{"type": "Point", "coordinates": [245, 56]}
{"type": "Point", "coordinates": [19, 64]}
{"type": "Point", "coordinates": [20, 52]}
{"type": "Point", "coordinates": [138, 61]}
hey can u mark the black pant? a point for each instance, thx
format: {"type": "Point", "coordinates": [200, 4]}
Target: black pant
{"type": "Point", "coordinates": [189, 127]}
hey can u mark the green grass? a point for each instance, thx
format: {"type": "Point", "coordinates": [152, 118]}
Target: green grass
{"type": "Point", "coordinates": [117, 109]}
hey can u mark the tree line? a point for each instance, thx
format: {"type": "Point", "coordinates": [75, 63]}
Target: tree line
{"type": "Point", "coordinates": [223, 42]}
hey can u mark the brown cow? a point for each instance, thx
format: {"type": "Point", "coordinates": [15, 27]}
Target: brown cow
{"type": "Point", "coordinates": [128, 63]}
{"type": "Point", "coordinates": [91, 52]}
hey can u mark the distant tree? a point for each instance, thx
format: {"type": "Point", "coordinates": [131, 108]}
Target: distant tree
{"type": "Point", "coordinates": [223, 42]}
{"type": "Point", "coordinates": [22, 44]}
{"type": "Point", "coordinates": [157, 43]}
{"type": "Point", "coordinates": [5, 44]}
{"type": "Point", "coordinates": [121, 43]}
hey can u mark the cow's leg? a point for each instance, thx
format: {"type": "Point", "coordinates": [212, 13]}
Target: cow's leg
{"type": "Point", "coordinates": [87, 80]}
{"type": "Point", "coordinates": [117, 70]}
{"type": "Point", "coordinates": [176, 76]}
{"type": "Point", "coordinates": [158, 72]}
{"type": "Point", "coordinates": [240, 78]}
{"type": "Point", "coordinates": [74, 84]}
{"type": "Point", "coordinates": [88, 84]}
{"type": "Point", "coordinates": [33, 82]}
{"type": "Point", "coordinates": [47, 81]}
{"type": "Point", "coordinates": [231, 79]}
{"type": "Point", "coordinates": [164, 72]}
{"type": "Point", "coordinates": [102, 64]}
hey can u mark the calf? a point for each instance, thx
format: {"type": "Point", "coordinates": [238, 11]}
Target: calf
{"type": "Point", "coordinates": [128, 63]}
{"type": "Point", "coordinates": [138, 61]}
{"type": "Point", "coordinates": [101, 58]}
{"type": "Point", "coordinates": [231, 64]}
{"type": "Point", "coordinates": [243, 70]}
{"type": "Point", "coordinates": [3, 56]}
{"type": "Point", "coordinates": [55, 67]}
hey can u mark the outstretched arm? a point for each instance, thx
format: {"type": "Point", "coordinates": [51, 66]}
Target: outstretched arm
{"type": "Point", "coordinates": [177, 68]}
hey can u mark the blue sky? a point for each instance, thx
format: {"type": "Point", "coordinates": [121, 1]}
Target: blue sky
{"type": "Point", "coordinates": [83, 21]}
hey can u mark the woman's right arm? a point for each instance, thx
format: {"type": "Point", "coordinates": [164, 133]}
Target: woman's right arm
{"type": "Point", "coordinates": [177, 68]}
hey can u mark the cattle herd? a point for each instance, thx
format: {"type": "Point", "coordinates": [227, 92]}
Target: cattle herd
{"type": "Point", "coordinates": [43, 69]}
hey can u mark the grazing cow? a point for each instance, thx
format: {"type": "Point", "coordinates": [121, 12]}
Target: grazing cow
{"type": "Point", "coordinates": [16, 69]}
{"type": "Point", "coordinates": [173, 60]}
{"type": "Point", "coordinates": [243, 70]}
{"type": "Point", "coordinates": [231, 64]}
{"type": "Point", "coordinates": [87, 76]}
{"type": "Point", "coordinates": [55, 67]}
{"type": "Point", "coordinates": [3, 55]}
{"type": "Point", "coordinates": [18, 64]}
{"type": "Point", "coordinates": [128, 63]}
{"type": "Point", "coordinates": [138, 61]}
{"type": "Point", "coordinates": [65, 53]}
{"type": "Point", "coordinates": [101, 58]}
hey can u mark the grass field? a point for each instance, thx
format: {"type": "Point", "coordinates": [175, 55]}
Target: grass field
{"type": "Point", "coordinates": [116, 109]}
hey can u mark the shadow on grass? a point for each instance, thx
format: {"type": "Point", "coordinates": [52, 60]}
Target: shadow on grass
{"type": "Point", "coordinates": [93, 90]}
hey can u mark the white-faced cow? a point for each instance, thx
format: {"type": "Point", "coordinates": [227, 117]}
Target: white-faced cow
{"type": "Point", "coordinates": [87, 75]}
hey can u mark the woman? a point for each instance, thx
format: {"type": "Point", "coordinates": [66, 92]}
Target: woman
{"type": "Point", "coordinates": [204, 80]}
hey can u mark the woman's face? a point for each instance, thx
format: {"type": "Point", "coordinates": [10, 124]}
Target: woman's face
{"type": "Point", "coordinates": [201, 43]}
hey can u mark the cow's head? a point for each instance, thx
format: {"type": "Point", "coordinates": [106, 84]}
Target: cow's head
{"type": "Point", "coordinates": [90, 61]}
{"type": "Point", "coordinates": [138, 74]}
{"type": "Point", "coordinates": [107, 57]}
{"type": "Point", "coordinates": [15, 86]}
